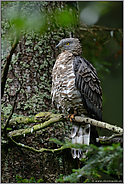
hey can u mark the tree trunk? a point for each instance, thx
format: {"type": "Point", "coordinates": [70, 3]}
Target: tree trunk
{"type": "Point", "coordinates": [32, 65]}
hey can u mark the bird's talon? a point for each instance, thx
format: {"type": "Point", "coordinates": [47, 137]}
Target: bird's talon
{"type": "Point", "coordinates": [71, 117]}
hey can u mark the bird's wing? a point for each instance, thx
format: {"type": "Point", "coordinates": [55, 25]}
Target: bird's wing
{"type": "Point", "coordinates": [87, 82]}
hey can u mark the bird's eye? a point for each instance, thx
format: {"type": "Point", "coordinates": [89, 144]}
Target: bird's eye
{"type": "Point", "coordinates": [67, 43]}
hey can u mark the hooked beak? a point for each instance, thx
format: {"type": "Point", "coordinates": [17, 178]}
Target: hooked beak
{"type": "Point", "coordinates": [57, 46]}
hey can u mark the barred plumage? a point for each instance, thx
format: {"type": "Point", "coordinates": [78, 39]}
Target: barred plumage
{"type": "Point", "coordinates": [75, 86]}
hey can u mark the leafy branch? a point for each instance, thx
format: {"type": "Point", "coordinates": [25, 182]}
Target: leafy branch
{"type": "Point", "coordinates": [105, 159]}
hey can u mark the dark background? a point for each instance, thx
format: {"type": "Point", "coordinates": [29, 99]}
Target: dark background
{"type": "Point", "coordinates": [111, 15]}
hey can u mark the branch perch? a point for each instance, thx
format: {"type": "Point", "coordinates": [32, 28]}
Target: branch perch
{"type": "Point", "coordinates": [100, 124]}
{"type": "Point", "coordinates": [53, 118]}
{"type": "Point", "coordinates": [47, 118]}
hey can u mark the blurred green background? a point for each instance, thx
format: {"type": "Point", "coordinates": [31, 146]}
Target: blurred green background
{"type": "Point", "coordinates": [108, 14]}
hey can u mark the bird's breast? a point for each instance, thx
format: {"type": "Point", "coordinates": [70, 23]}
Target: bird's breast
{"type": "Point", "coordinates": [64, 93]}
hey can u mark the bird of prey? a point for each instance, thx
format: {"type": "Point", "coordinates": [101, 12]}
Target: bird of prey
{"type": "Point", "coordinates": [76, 90]}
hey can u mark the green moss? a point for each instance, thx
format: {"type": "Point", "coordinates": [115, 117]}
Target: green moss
{"type": "Point", "coordinates": [6, 110]}
{"type": "Point", "coordinates": [9, 80]}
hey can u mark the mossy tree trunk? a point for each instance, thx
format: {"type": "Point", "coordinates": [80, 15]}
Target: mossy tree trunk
{"type": "Point", "coordinates": [32, 64]}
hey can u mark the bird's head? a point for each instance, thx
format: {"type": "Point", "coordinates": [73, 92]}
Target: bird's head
{"type": "Point", "coordinates": [70, 44]}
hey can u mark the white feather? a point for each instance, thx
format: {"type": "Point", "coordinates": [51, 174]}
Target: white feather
{"type": "Point", "coordinates": [86, 139]}
{"type": "Point", "coordinates": [80, 136]}
{"type": "Point", "coordinates": [74, 130]}
{"type": "Point", "coordinates": [73, 152]}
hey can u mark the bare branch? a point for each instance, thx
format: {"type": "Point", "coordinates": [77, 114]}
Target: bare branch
{"type": "Point", "coordinates": [115, 138]}
{"type": "Point", "coordinates": [112, 136]}
{"type": "Point", "coordinates": [100, 124]}
{"type": "Point", "coordinates": [47, 118]}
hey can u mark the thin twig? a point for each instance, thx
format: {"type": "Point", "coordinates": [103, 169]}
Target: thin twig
{"type": "Point", "coordinates": [99, 28]}
{"type": "Point", "coordinates": [6, 66]}
{"type": "Point", "coordinates": [112, 136]}
{"type": "Point", "coordinates": [11, 113]}
{"type": "Point", "coordinates": [39, 150]}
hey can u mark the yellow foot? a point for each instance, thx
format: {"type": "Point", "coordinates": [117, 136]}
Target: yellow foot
{"type": "Point", "coordinates": [71, 117]}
